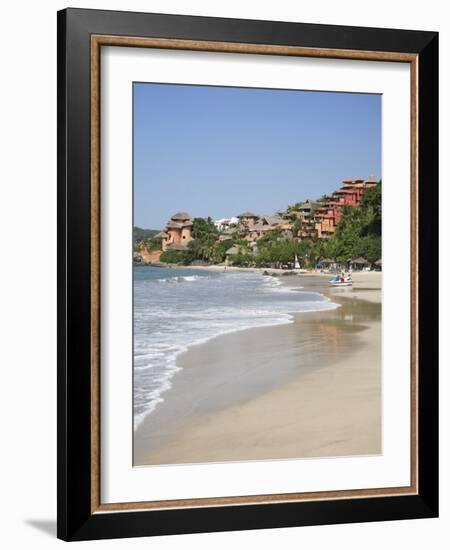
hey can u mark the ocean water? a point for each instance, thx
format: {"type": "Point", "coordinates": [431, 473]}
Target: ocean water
{"type": "Point", "coordinates": [178, 308]}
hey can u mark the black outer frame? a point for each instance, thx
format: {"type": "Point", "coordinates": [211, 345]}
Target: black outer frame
{"type": "Point", "coordinates": [75, 521]}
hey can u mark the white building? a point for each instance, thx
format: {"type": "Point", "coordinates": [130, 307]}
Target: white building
{"type": "Point", "coordinates": [225, 223]}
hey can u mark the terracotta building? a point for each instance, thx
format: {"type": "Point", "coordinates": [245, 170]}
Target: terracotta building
{"type": "Point", "coordinates": [329, 213]}
{"type": "Point", "coordinates": [178, 231]}
{"type": "Point", "coordinates": [325, 221]}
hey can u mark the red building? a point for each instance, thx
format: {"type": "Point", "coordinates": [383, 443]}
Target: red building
{"type": "Point", "coordinates": [329, 213]}
{"type": "Point", "coordinates": [353, 191]}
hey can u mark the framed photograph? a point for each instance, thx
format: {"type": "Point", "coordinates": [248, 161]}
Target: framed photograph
{"type": "Point", "coordinates": [248, 299]}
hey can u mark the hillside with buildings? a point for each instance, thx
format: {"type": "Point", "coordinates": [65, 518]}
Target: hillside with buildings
{"type": "Point", "coordinates": [342, 228]}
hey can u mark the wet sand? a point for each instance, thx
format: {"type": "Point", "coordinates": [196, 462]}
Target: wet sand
{"type": "Point", "coordinates": [311, 388]}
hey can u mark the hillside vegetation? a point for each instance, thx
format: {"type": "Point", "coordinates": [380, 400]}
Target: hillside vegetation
{"type": "Point", "coordinates": [357, 234]}
{"type": "Point", "coordinates": [140, 234]}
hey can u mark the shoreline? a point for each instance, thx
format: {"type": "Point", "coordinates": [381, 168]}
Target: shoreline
{"type": "Point", "coordinates": [242, 376]}
{"type": "Point", "coordinates": [371, 278]}
{"type": "Point", "coordinates": [288, 318]}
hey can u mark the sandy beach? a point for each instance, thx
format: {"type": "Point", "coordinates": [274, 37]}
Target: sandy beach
{"type": "Point", "coordinates": [311, 388]}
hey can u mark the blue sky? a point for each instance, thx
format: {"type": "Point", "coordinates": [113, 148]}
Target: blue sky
{"type": "Point", "coordinates": [216, 151]}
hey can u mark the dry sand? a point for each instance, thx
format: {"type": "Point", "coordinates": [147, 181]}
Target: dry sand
{"type": "Point", "coordinates": [307, 389]}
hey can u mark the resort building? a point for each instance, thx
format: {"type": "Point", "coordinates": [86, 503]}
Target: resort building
{"type": "Point", "coordinates": [248, 219]}
{"type": "Point", "coordinates": [328, 215]}
{"type": "Point", "coordinates": [353, 191]}
{"type": "Point", "coordinates": [177, 231]}
{"type": "Point", "coordinates": [226, 223]}
{"type": "Point", "coordinates": [256, 231]}
{"type": "Point", "coordinates": [273, 221]}
{"type": "Point", "coordinates": [310, 220]}
{"type": "Point", "coordinates": [325, 223]}
{"type": "Point", "coordinates": [307, 208]}
{"type": "Point", "coordinates": [308, 231]}
{"type": "Point", "coordinates": [226, 235]}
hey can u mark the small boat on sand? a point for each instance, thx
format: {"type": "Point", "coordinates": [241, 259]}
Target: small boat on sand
{"type": "Point", "coordinates": [338, 280]}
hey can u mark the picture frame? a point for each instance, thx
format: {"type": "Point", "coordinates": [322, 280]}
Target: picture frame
{"type": "Point", "coordinates": [81, 36]}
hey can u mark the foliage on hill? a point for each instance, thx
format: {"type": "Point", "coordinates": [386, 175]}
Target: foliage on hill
{"type": "Point", "coordinates": [204, 236]}
{"type": "Point", "coordinates": [274, 249]}
{"type": "Point", "coordinates": [143, 238]}
{"type": "Point", "coordinates": [175, 257]}
{"type": "Point", "coordinates": [357, 234]}
{"type": "Point", "coordinates": [140, 234]}
{"type": "Point", "coordinates": [359, 231]}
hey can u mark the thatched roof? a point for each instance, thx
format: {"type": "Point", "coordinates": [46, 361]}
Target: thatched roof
{"type": "Point", "coordinates": [233, 250]}
{"type": "Point", "coordinates": [258, 227]}
{"type": "Point", "coordinates": [248, 215]}
{"type": "Point", "coordinates": [308, 205]}
{"type": "Point", "coordinates": [181, 217]}
{"type": "Point", "coordinates": [379, 262]}
{"type": "Point", "coordinates": [327, 261]}
{"type": "Point", "coordinates": [160, 235]}
{"type": "Point", "coordinates": [359, 261]}
{"type": "Point", "coordinates": [273, 220]}
{"type": "Point", "coordinates": [174, 225]}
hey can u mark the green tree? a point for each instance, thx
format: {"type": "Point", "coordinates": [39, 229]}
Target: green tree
{"type": "Point", "coordinates": [153, 244]}
{"type": "Point", "coordinates": [359, 231]}
{"type": "Point", "coordinates": [203, 227]}
{"type": "Point", "coordinates": [242, 260]}
{"type": "Point", "coordinates": [175, 257]}
{"type": "Point", "coordinates": [204, 236]}
{"type": "Point", "coordinates": [219, 249]}
{"type": "Point", "coordinates": [140, 234]}
{"type": "Point", "coordinates": [371, 206]}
